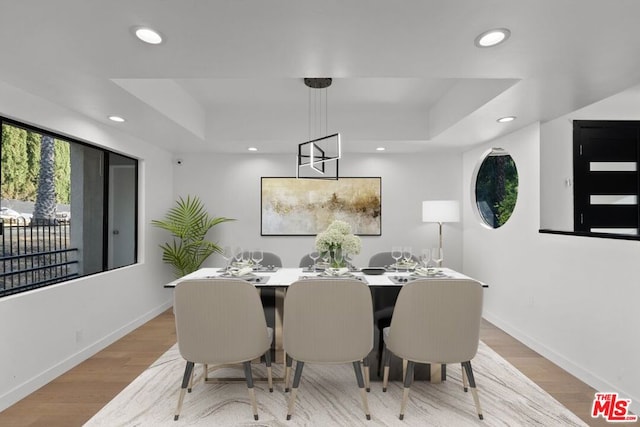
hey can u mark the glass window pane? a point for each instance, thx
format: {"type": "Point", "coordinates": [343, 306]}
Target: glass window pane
{"type": "Point", "coordinates": [496, 188]}
{"type": "Point", "coordinates": [68, 209]}
{"type": "Point", "coordinates": [122, 211]}
{"type": "Point", "coordinates": [87, 206]}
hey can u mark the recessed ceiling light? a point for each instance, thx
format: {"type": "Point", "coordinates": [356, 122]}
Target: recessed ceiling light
{"type": "Point", "coordinates": [380, 149]}
{"type": "Point", "coordinates": [492, 37]}
{"type": "Point", "coordinates": [116, 119]}
{"type": "Point", "coordinates": [506, 119]}
{"type": "Point", "coordinates": [252, 149]}
{"type": "Point", "coordinates": [148, 35]}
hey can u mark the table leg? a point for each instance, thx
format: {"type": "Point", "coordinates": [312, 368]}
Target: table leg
{"type": "Point", "coordinates": [278, 338]}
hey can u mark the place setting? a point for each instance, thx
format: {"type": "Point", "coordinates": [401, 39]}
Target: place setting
{"type": "Point", "coordinates": [241, 264]}
{"type": "Point", "coordinates": [428, 267]}
{"type": "Point", "coordinates": [335, 263]}
{"type": "Point", "coordinates": [404, 259]}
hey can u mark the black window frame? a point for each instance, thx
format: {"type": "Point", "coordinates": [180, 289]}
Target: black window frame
{"type": "Point", "coordinates": [105, 212]}
{"type": "Point", "coordinates": [587, 148]}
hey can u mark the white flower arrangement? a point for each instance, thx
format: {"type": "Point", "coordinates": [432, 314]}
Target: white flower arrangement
{"type": "Point", "coordinates": [338, 236]}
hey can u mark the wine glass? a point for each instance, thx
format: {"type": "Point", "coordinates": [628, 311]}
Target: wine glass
{"type": "Point", "coordinates": [348, 260]}
{"type": "Point", "coordinates": [326, 257]}
{"type": "Point", "coordinates": [238, 255]}
{"type": "Point", "coordinates": [425, 257]}
{"type": "Point", "coordinates": [257, 256]}
{"type": "Point", "coordinates": [407, 254]}
{"type": "Point", "coordinates": [227, 255]}
{"type": "Point", "coordinates": [314, 255]}
{"type": "Point", "coordinates": [396, 253]}
{"type": "Point", "coordinates": [436, 256]}
{"type": "Point", "coordinates": [246, 257]}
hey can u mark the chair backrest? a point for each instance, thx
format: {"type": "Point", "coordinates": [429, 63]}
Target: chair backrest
{"type": "Point", "coordinates": [437, 321]}
{"type": "Point", "coordinates": [219, 321]}
{"type": "Point", "coordinates": [271, 259]}
{"type": "Point", "coordinates": [328, 320]}
{"type": "Point", "coordinates": [382, 259]}
{"type": "Point", "coordinates": [305, 261]}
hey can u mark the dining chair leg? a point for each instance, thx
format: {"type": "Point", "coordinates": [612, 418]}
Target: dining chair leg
{"type": "Point", "coordinates": [385, 379]}
{"type": "Point", "coordinates": [408, 379]}
{"type": "Point", "coordinates": [252, 395]}
{"type": "Point", "coordinates": [193, 374]}
{"type": "Point", "coordinates": [474, 390]}
{"type": "Point", "coordinates": [365, 368]}
{"type": "Point", "coordinates": [206, 372]}
{"type": "Point", "coordinates": [465, 383]}
{"type": "Point", "coordinates": [363, 393]}
{"type": "Point", "coordinates": [188, 370]}
{"type": "Point", "coordinates": [267, 361]}
{"type": "Point", "coordinates": [404, 369]}
{"type": "Point", "coordinates": [287, 372]}
{"type": "Point", "coordinates": [387, 360]}
{"type": "Point", "coordinates": [294, 389]}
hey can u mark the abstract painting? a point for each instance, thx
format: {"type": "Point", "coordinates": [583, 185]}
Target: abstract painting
{"type": "Point", "coordinates": [305, 207]}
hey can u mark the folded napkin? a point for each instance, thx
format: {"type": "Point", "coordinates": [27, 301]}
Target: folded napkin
{"type": "Point", "coordinates": [337, 271]}
{"type": "Point", "coordinates": [241, 264]}
{"type": "Point", "coordinates": [421, 271]}
{"type": "Point", "coordinates": [237, 272]}
{"type": "Point", "coordinates": [404, 264]}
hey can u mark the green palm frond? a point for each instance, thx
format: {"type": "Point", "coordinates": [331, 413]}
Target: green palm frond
{"type": "Point", "coordinates": [188, 222]}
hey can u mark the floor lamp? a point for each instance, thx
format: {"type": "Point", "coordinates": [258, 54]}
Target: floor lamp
{"type": "Point", "coordinates": [440, 211]}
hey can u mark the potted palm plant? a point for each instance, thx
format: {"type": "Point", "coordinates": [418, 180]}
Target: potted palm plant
{"type": "Point", "coordinates": [188, 222]}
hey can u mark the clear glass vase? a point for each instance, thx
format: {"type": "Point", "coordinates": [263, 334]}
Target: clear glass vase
{"type": "Point", "coordinates": [337, 258]}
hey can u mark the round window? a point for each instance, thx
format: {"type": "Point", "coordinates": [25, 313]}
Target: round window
{"type": "Point", "coordinates": [496, 188]}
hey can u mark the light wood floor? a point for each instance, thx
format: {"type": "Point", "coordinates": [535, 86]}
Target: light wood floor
{"type": "Point", "coordinates": [73, 398]}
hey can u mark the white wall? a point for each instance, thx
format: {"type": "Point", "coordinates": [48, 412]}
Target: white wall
{"type": "Point", "coordinates": [572, 299]}
{"type": "Point", "coordinates": [556, 155]}
{"type": "Point", "coordinates": [556, 177]}
{"type": "Point", "coordinates": [47, 331]}
{"type": "Point", "coordinates": [230, 186]}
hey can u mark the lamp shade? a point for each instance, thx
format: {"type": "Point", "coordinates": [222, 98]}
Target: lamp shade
{"type": "Point", "coordinates": [440, 211]}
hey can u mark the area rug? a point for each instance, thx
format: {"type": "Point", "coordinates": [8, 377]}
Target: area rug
{"type": "Point", "coordinates": [328, 396]}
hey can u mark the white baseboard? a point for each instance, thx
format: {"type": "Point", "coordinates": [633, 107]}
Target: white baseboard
{"type": "Point", "coordinates": [44, 377]}
{"type": "Point", "coordinates": [576, 370]}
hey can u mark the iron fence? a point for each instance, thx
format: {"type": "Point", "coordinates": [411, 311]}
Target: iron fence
{"type": "Point", "coordinates": [35, 255]}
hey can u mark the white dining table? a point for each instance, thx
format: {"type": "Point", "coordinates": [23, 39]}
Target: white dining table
{"type": "Point", "coordinates": [280, 278]}
{"type": "Point", "coordinates": [285, 276]}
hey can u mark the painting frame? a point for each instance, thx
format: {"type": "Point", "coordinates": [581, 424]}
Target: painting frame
{"type": "Point", "coordinates": [304, 207]}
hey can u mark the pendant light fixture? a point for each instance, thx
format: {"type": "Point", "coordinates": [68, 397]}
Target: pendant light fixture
{"type": "Point", "coordinates": [319, 156]}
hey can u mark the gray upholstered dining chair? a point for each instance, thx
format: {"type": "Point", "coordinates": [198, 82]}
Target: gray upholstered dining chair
{"type": "Point", "coordinates": [328, 321]}
{"type": "Point", "coordinates": [221, 321]}
{"type": "Point", "coordinates": [435, 321]}
{"type": "Point", "coordinates": [383, 259]}
{"type": "Point", "coordinates": [306, 261]}
{"type": "Point", "coordinates": [382, 316]}
{"type": "Point", "coordinates": [270, 258]}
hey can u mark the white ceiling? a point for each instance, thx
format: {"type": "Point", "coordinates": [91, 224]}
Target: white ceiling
{"type": "Point", "coordinates": [407, 75]}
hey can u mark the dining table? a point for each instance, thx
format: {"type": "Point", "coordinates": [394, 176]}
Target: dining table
{"type": "Point", "coordinates": [275, 280]}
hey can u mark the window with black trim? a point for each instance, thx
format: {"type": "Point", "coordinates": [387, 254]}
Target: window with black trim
{"type": "Point", "coordinates": [606, 180]}
{"type": "Point", "coordinates": [69, 209]}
